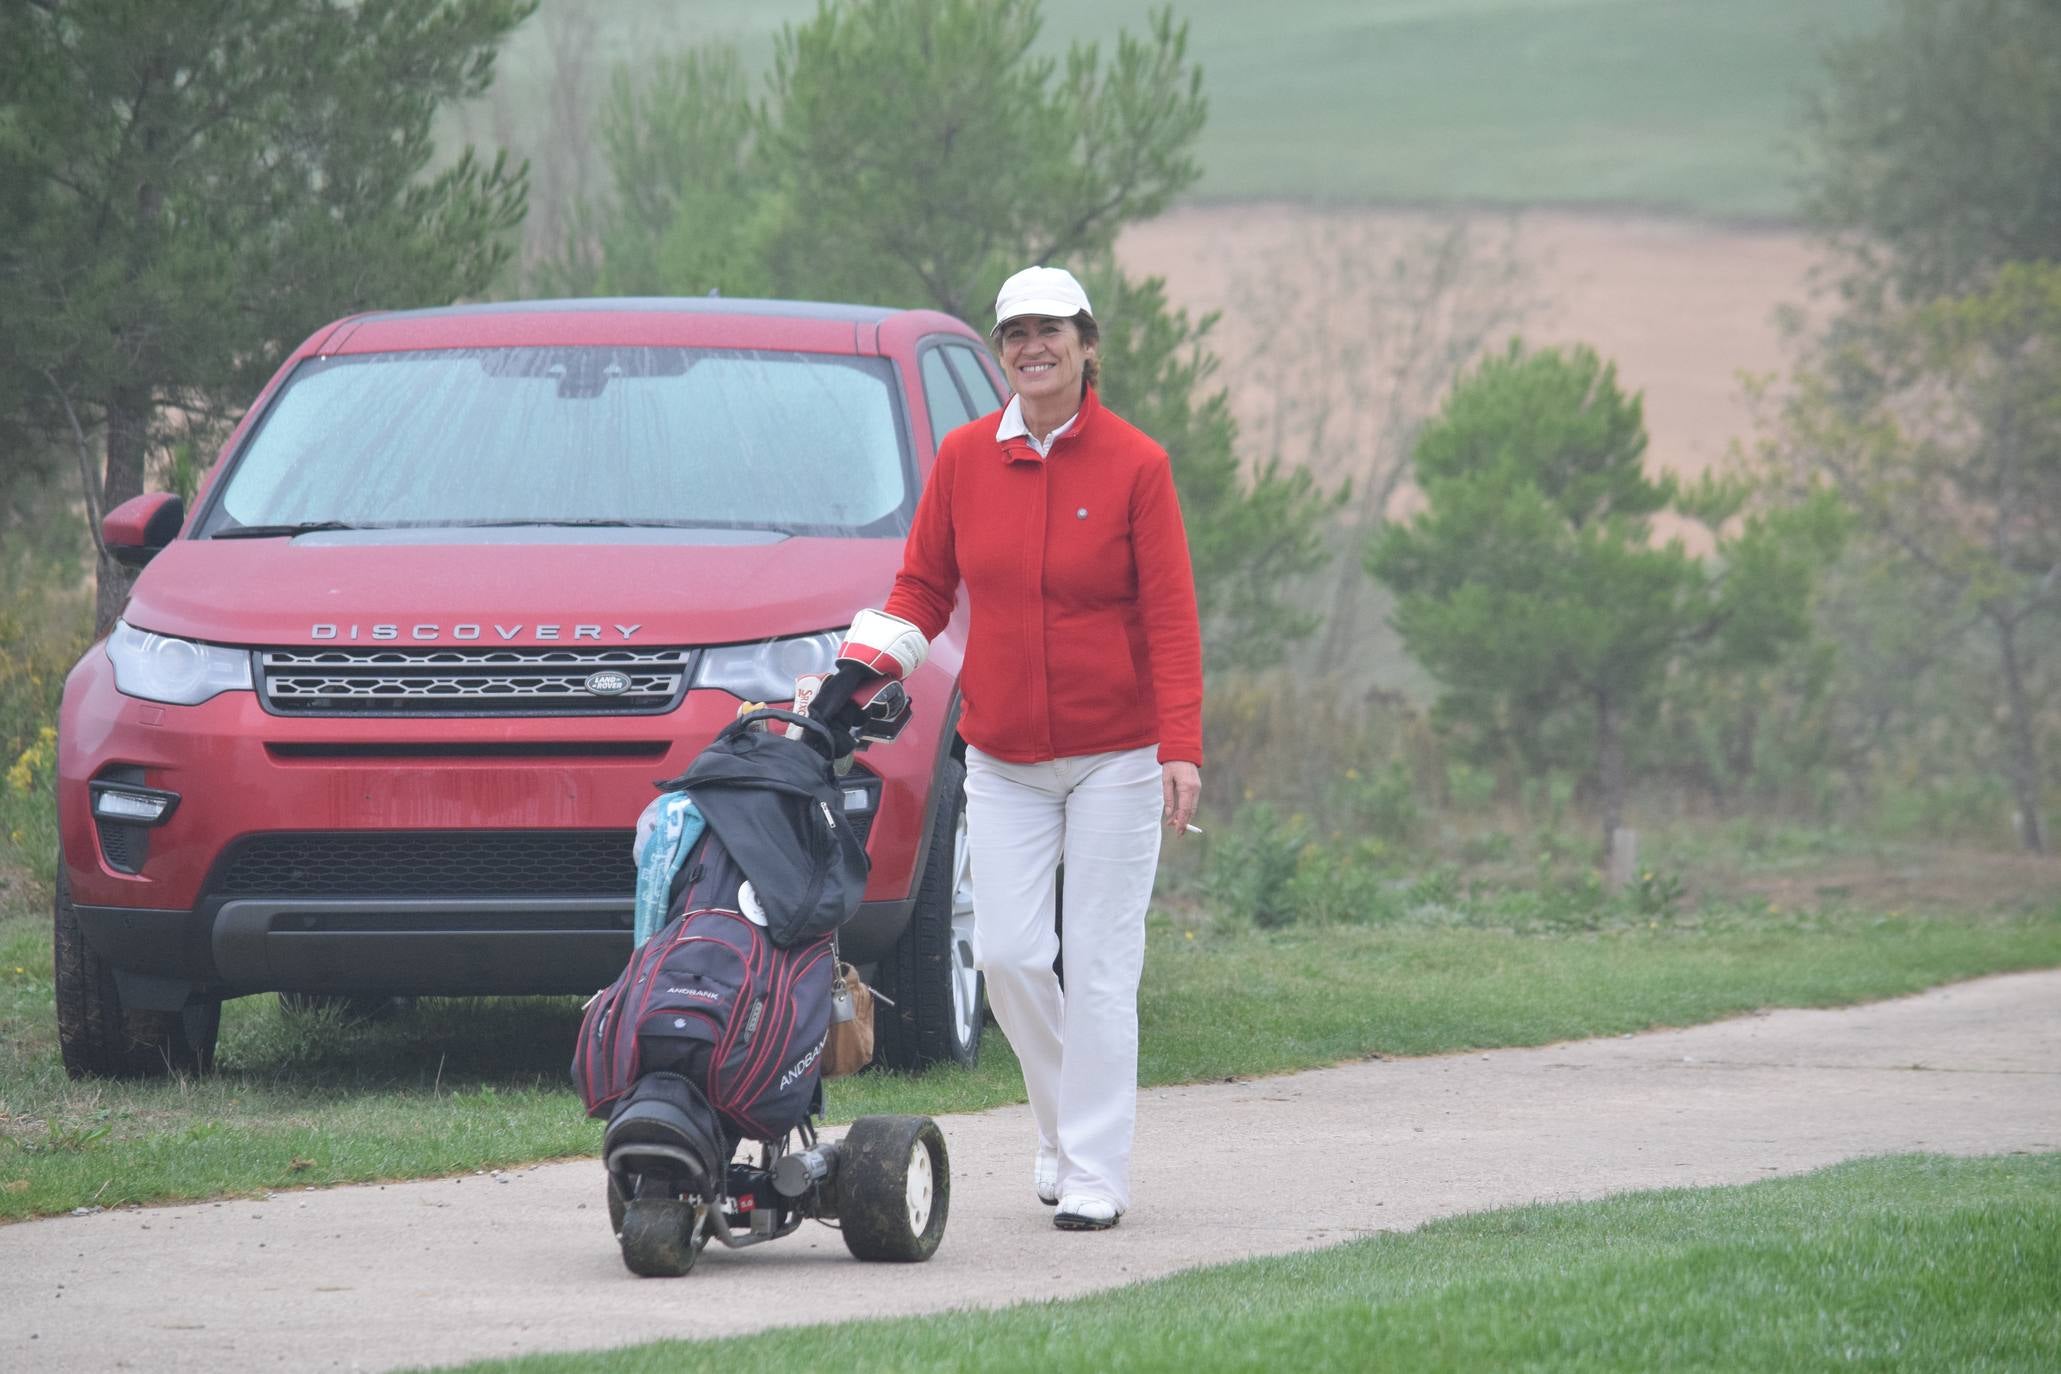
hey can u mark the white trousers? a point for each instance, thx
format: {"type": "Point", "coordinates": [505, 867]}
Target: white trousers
{"type": "Point", "coordinates": [1100, 814]}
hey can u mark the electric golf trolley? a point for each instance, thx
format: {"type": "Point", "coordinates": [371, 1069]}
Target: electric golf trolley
{"type": "Point", "coordinates": [716, 1032]}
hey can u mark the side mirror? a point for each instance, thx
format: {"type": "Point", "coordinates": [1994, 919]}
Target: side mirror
{"type": "Point", "coordinates": [139, 528]}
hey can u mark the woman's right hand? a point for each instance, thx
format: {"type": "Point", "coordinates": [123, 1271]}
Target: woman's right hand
{"type": "Point", "coordinates": [1181, 787]}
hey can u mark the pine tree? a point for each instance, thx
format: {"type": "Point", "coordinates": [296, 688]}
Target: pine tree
{"type": "Point", "coordinates": [1531, 587]}
{"type": "Point", "coordinates": [188, 190]}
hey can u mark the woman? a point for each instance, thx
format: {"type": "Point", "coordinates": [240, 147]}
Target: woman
{"type": "Point", "coordinates": [1081, 710]}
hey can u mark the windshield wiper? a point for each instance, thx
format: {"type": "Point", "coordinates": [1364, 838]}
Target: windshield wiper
{"type": "Point", "coordinates": [606, 523]}
{"type": "Point", "coordinates": [285, 531]}
{"type": "Point", "coordinates": [542, 522]}
{"type": "Point", "coordinates": [568, 521]}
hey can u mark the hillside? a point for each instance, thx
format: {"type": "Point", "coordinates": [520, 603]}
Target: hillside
{"type": "Point", "coordinates": [1679, 105]}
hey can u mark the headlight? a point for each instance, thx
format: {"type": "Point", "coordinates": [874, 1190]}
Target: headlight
{"type": "Point", "coordinates": [178, 672]}
{"type": "Point", "coordinates": [766, 671]}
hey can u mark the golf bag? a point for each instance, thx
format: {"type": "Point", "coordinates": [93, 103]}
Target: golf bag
{"type": "Point", "coordinates": [711, 999]}
{"type": "Point", "coordinates": [732, 996]}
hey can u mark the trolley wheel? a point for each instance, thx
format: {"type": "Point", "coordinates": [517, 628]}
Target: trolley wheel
{"type": "Point", "coordinates": [661, 1237]}
{"type": "Point", "coordinates": [894, 1188]}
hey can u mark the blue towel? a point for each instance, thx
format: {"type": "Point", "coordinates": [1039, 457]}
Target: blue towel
{"type": "Point", "coordinates": [676, 825]}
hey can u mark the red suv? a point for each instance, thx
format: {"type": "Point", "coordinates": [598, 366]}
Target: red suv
{"type": "Point", "coordinates": [381, 713]}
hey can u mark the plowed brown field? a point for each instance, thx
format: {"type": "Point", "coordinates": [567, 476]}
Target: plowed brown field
{"type": "Point", "coordinates": [1683, 309]}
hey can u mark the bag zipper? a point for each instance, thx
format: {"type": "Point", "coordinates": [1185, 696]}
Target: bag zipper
{"type": "Point", "coordinates": [826, 851]}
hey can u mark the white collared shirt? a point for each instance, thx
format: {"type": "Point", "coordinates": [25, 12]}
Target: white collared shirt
{"type": "Point", "coordinates": [1013, 427]}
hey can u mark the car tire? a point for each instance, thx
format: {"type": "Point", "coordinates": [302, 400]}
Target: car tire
{"type": "Point", "coordinates": [940, 998]}
{"type": "Point", "coordinates": [894, 1188]}
{"type": "Point", "coordinates": [96, 1036]}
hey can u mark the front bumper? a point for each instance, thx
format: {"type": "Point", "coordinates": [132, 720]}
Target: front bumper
{"type": "Point", "coordinates": [436, 947]}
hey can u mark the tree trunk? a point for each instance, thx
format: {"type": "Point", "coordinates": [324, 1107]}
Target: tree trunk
{"type": "Point", "coordinates": [1609, 765]}
{"type": "Point", "coordinates": [2025, 761]}
{"type": "Point", "coordinates": [128, 428]}
{"type": "Point", "coordinates": [1342, 632]}
{"type": "Point", "coordinates": [1741, 762]}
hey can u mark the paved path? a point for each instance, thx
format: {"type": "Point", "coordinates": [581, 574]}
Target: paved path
{"type": "Point", "coordinates": [440, 1272]}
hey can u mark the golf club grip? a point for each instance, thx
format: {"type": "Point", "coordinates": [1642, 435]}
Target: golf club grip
{"type": "Point", "coordinates": [750, 718]}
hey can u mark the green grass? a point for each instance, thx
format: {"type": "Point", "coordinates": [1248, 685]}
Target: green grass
{"type": "Point", "coordinates": [453, 1086]}
{"type": "Point", "coordinates": [1682, 104]}
{"type": "Point", "coordinates": [1914, 1263]}
{"type": "Point", "coordinates": [1678, 104]}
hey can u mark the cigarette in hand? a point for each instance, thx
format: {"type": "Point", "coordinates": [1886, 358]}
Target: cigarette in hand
{"type": "Point", "coordinates": [1194, 829]}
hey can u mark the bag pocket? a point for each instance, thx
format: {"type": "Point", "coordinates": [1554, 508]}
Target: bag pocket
{"type": "Point", "coordinates": [764, 1077]}
{"type": "Point", "coordinates": [705, 986]}
{"type": "Point", "coordinates": [594, 1052]}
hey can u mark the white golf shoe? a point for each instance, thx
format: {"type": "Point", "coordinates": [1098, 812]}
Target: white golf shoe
{"type": "Point", "coordinates": [1079, 1212]}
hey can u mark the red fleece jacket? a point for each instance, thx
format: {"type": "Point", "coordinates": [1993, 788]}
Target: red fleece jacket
{"type": "Point", "coordinates": [1084, 637]}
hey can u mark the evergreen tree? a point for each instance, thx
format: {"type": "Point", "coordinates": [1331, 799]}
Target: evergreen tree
{"type": "Point", "coordinates": [1531, 586]}
{"type": "Point", "coordinates": [189, 189]}
{"type": "Point", "coordinates": [1932, 145]}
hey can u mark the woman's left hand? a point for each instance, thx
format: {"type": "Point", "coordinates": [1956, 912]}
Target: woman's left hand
{"type": "Point", "coordinates": [1181, 785]}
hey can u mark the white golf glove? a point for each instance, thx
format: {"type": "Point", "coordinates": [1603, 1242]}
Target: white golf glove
{"type": "Point", "coordinates": [885, 644]}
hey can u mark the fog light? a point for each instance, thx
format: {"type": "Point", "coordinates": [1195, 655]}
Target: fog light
{"type": "Point", "coordinates": [136, 805]}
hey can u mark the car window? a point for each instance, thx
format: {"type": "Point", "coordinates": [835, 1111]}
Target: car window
{"type": "Point", "coordinates": [974, 377]}
{"type": "Point", "coordinates": [941, 394]}
{"type": "Point", "coordinates": [808, 443]}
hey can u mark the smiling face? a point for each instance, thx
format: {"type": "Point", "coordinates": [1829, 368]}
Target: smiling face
{"type": "Point", "coordinates": [1043, 357]}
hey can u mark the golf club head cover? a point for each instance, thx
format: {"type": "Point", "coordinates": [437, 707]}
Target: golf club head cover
{"type": "Point", "coordinates": [885, 644]}
{"type": "Point", "coordinates": [883, 706]}
{"type": "Point", "coordinates": [857, 699]}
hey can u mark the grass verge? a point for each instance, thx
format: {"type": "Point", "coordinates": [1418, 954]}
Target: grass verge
{"type": "Point", "coordinates": [1911, 1263]}
{"type": "Point", "coordinates": [452, 1086]}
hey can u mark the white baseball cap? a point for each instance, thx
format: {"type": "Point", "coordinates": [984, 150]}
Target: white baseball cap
{"type": "Point", "coordinates": [1041, 291]}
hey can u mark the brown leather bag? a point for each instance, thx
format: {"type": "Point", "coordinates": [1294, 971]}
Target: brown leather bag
{"type": "Point", "coordinates": [850, 1046]}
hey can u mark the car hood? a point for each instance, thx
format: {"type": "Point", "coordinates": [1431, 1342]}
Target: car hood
{"type": "Point", "coordinates": [584, 589]}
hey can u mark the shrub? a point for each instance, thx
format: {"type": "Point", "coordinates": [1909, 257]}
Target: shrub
{"type": "Point", "coordinates": [1655, 893]}
{"type": "Point", "coordinates": [1469, 789]}
{"type": "Point", "coordinates": [1247, 874]}
{"type": "Point", "coordinates": [1487, 847]}
{"type": "Point", "coordinates": [1970, 807]}
{"type": "Point", "coordinates": [1342, 885]}
{"type": "Point", "coordinates": [1296, 742]}
{"type": "Point", "coordinates": [28, 813]}
{"type": "Point", "coordinates": [1382, 802]}
{"type": "Point", "coordinates": [46, 620]}
{"type": "Point", "coordinates": [1439, 887]}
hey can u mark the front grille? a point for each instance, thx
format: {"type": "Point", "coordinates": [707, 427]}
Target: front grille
{"type": "Point", "coordinates": [432, 863]}
{"type": "Point", "coordinates": [470, 682]}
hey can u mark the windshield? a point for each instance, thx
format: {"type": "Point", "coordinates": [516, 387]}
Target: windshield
{"type": "Point", "coordinates": [700, 438]}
